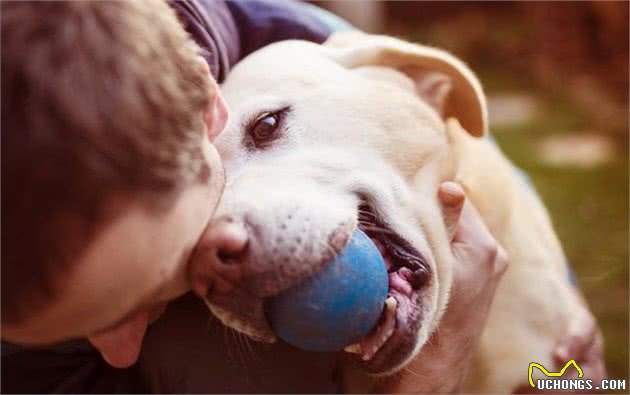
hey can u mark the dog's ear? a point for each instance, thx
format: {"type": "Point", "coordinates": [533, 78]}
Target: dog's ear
{"type": "Point", "coordinates": [444, 81]}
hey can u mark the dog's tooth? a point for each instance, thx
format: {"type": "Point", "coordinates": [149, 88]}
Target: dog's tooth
{"type": "Point", "coordinates": [384, 338]}
{"type": "Point", "coordinates": [353, 348]}
{"type": "Point", "coordinates": [391, 303]}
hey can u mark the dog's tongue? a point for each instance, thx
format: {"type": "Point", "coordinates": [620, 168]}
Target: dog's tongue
{"type": "Point", "coordinates": [120, 346]}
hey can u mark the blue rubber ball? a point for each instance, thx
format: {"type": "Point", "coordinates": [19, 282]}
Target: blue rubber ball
{"type": "Point", "coordinates": [337, 306]}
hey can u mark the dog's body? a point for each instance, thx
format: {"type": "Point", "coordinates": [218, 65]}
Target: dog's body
{"type": "Point", "coordinates": [534, 301]}
{"type": "Point", "coordinates": [362, 118]}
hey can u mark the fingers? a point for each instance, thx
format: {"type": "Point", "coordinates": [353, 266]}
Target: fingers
{"type": "Point", "coordinates": [473, 228]}
{"type": "Point", "coordinates": [579, 337]}
{"type": "Point", "coordinates": [500, 263]}
{"type": "Point", "coordinates": [471, 239]}
{"type": "Point", "coordinates": [584, 343]}
{"type": "Point", "coordinates": [596, 356]}
{"type": "Point", "coordinates": [452, 197]}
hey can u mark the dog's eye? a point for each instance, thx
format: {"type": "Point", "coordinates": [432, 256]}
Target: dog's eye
{"type": "Point", "coordinates": [265, 129]}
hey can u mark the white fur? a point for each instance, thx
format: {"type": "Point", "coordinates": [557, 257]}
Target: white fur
{"type": "Point", "coordinates": [358, 124]}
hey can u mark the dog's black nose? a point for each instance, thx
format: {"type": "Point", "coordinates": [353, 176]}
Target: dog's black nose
{"type": "Point", "coordinates": [216, 265]}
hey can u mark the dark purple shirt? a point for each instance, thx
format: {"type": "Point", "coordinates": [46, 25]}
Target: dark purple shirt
{"type": "Point", "coordinates": [229, 31]}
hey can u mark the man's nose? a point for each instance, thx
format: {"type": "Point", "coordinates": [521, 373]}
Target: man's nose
{"type": "Point", "coordinates": [217, 262]}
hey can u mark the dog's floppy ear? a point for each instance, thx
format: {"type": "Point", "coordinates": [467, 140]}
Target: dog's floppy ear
{"type": "Point", "coordinates": [444, 81]}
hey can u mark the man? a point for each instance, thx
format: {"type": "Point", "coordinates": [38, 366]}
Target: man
{"type": "Point", "coordinates": [109, 176]}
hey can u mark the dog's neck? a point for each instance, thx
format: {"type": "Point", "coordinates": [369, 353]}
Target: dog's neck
{"type": "Point", "coordinates": [478, 176]}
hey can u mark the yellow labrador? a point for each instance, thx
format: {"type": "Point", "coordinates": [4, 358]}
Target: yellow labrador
{"type": "Point", "coordinates": [360, 131]}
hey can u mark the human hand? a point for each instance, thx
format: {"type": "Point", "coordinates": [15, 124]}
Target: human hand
{"type": "Point", "coordinates": [583, 342]}
{"type": "Point", "coordinates": [479, 265]}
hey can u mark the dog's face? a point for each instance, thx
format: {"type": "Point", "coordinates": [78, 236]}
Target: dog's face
{"type": "Point", "coordinates": [322, 139]}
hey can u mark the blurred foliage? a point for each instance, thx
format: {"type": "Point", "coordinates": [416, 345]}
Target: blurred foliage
{"type": "Point", "coordinates": [550, 43]}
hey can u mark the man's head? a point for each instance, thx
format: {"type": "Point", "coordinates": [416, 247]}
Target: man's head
{"type": "Point", "coordinates": [108, 173]}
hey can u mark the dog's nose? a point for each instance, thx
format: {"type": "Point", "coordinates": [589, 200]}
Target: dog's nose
{"type": "Point", "coordinates": [216, 265]}
{"type": "Point", "coordinates": [230, 238]}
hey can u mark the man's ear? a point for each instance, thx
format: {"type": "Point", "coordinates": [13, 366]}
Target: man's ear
{"type": "Point", "coordinates": [441, 79]}
{"type": "Point", "coordinates": [216, 115]}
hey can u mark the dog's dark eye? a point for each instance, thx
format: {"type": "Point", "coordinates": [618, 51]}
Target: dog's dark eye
{"type": "Point", "coordinates": [265, 129]}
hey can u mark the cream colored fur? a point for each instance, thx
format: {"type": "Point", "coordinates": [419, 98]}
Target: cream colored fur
{"type": "Point", "coordinates": [377, 114]}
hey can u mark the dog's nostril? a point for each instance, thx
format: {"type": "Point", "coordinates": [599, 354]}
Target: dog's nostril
{"type": "Point", "coordinates": [230, 238]}
{"type": "Point", "coordinates": [229, 258]}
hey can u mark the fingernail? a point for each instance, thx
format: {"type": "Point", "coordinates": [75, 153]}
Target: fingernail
{"type": "Point", "coordinates": [451, 193]}
{"type": "Point", "coordinates": [562, 352]}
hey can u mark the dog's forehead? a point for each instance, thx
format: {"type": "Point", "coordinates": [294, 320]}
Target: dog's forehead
{"type": "Point", "coordinates": [281, 65]}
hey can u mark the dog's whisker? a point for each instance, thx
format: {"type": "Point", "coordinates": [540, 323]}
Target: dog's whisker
{"type": "Point", "coordinates": [248, 343]}
{"type": "Point", "coordinates": [239, 347]}
{"type": "Point", "coordinates": [228, 347]}
{"type": "Point", "coordinates": [408, 369]}
{"type": "Point", "coordinates": [239, 337]}
{"type": "Point", "coordinates": [242, 354]}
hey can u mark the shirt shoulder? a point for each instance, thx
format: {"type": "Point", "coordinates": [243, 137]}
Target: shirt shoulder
{"type": "Point", "coordinates": [262, 22]}
{"type": "Point", "coordinates": [227, 31]}
{"type": "Point", "coordinates": [211, 25]}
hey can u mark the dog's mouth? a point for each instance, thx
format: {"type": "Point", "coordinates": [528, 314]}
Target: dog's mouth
{"type": "Point", "coordinates": [394, 338]}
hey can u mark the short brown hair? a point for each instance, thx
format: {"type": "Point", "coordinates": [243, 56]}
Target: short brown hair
{"type": "Point", "coordinates": [99, 99]}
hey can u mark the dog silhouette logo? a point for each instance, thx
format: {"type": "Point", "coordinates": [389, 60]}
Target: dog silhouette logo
{"type": "Point", "coordinates": [547, 373]}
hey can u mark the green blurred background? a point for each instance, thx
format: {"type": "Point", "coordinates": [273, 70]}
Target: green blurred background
{"type": "Point", "coordinates": [556, 75]}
